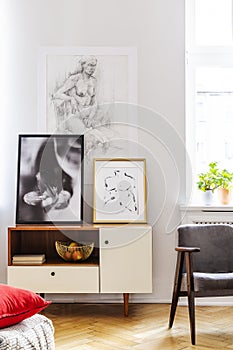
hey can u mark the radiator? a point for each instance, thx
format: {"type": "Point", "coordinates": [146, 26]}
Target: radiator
{"type": "Point", "coordinates": [205, 216]}
{"type": "Point", "coordinates": [202, 222]}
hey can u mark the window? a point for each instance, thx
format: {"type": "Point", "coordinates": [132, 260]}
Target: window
{"type": "Point", "coordinates": [213, 22]}
{"type": "Point", "coordinates": [209, 83]}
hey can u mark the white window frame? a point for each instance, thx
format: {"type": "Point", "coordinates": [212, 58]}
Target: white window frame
{"type": "Point", "coordinates": [197, 56]}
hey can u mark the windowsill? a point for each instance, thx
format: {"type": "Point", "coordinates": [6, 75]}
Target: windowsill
{"type": "Point", "coordinates": [196, 203]}
{"type": "Point", "coordinates": [207, 208]}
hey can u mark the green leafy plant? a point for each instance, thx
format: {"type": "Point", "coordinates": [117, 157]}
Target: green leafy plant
{"type": "Point", "coordinates": [215, 178]}
{"type": "Point", "coordinates": [225, 179]}
{"type": "Point", "coordinates": [209, 181]}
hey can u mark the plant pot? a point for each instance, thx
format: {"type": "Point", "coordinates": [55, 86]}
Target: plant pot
{"type": "Point", "coordinates": [207, 197]}
{"type": "Point", "coordinates": [224, 195]}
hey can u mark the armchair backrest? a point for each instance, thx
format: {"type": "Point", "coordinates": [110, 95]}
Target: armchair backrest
{"type": "Point", "coordinates": [216, 246]}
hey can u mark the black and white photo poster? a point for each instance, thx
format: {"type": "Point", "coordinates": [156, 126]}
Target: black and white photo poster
{"type": "Point", "coordinates": [49, 187]}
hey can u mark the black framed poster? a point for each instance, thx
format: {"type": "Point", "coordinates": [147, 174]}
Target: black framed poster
{"type": "Point", "coordinates": [50, 179]}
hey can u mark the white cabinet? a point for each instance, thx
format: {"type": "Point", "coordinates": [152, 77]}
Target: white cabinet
{"type": "Point", "coordinates": [121, 261]}
{"type": "Point", "coordinates": [126, 260]}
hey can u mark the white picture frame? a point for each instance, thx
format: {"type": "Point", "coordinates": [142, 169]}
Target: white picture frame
{"type": "Point", "coordinates": [119, 190]}
{"type": "Point", "coordinates": [115, 72]}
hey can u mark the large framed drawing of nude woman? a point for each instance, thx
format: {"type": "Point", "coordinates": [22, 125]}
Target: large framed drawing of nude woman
{"type": "Point", "coordinates": [50, 179]}
{"type": "Point", "coordinates": [119, 190]}
{"type": "Point", "coordinates": [78, 88]}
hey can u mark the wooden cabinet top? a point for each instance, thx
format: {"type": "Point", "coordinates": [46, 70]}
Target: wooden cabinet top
{"type": "Point", "coordinates": [86, 227]}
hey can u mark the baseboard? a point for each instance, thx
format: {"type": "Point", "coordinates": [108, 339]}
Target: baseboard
{"type": "Point", "coordinates": [133, 298]}
{"type": "Point", "coordinates": [102, 298]}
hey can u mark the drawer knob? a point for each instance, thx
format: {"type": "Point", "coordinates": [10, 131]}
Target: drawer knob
{"type": "Point", "coordinates": [106, 242]}
{"type": "Point", "coordinates": [52, 273]}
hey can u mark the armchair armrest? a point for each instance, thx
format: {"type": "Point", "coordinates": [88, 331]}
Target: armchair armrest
{"type": "Point", "coordinates": [187, 249]}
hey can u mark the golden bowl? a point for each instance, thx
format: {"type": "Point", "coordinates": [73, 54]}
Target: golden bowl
{"type": "Point", "coordinates": [73, 251]}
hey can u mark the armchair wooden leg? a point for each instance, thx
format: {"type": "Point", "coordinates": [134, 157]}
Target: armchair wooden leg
{"type": "Point", "coordinates": [177, 285]}
{"type": "Point", "coordinates": [190, 291]}
{"type": "Point", "coordinates": [192, 316]}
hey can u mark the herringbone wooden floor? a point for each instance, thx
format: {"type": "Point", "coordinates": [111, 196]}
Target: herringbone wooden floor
{"type": "Point", "coordinates": [104, 327]}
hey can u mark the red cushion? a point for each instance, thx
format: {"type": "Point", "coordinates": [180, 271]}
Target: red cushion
{"type": "Point", "coordinates": [17, 304]}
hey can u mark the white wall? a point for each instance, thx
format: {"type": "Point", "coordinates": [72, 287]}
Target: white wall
{"type": "Point", "coordinates": [156, 28]}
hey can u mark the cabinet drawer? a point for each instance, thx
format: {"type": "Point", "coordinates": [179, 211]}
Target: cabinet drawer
{"type": "Point", "coordinates": [55, 279]}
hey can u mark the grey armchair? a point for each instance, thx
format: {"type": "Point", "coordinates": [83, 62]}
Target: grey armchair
{"type": "Point", "coordinates": [204, 266]}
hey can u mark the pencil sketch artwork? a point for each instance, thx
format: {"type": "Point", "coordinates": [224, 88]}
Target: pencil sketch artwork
{"type": "Point", "coordinates": [80, 93]}
{"type": "Point", "coordinates": [76, 96]}
{"type": "Point", "coordinates": [120, 192]}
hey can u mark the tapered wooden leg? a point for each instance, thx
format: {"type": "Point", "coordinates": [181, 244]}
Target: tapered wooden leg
{"type": "Point", "coordinates": [126, 303]}
{"type": "Point", "coordinates": [177, 285]}
{"type": "Point", "coordinates": [190, 291]}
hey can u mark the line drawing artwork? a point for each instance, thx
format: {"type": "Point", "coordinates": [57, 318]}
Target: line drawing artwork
{"type": "Point", "coordinates": [81, 91]}
{"type": "Point", "coordinates": [121, 192]}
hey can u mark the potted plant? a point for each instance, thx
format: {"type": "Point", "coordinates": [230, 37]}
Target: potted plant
{"type": "Point", "coordinates": [225, 179]}
{"type": "Point", "coordinates": [208, 182]}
